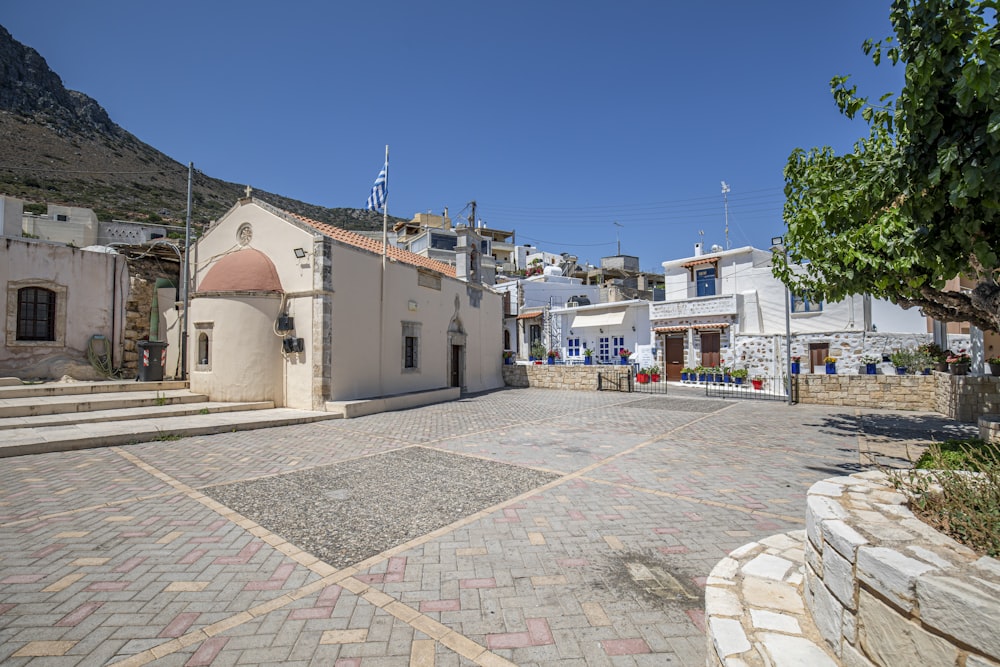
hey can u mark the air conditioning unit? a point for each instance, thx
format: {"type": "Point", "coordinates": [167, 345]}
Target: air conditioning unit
{"type": "Point", "coordinates": [572, 304]}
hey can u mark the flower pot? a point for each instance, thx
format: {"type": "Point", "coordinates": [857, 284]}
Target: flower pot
{"type": "Point", "coordinates": [508, 361]}
{"type": "Point", "coordinates": [757, 384]}
{"type": "Point", "coordinates": [624, 361]}
{"type": "Point", "coordinates": [959, 369]}
{"type": "Point", "coordinates": [795, 367]}
{"type": "Point", "coordinates": [642, 378]}
{"type": "Point", "coordinates": [655, 377]}
{"type": "Point", "coordinates": [738, 381]}
{"type": "Point", "coordinates": [684, 377]}
{"type": "Point", "coordinates": [587, 361]}
{"type": "Point", "coordinates": [702, 377]}
{"type": "Point", "coordinates": [994, 369]}
{"type": "Point", "coordinates": [900, 370]}
{"type": "Point", "coordinates": [552, 361]}
{"type": "Point", "coordinates": [941, 366]}
{"type": "Point", "coordinates": [870, 369]}
{"type": "Point", "coordinates": [831, 368]}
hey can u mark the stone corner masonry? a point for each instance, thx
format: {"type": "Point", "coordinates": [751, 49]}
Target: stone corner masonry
{"type": "Point", "coordinates": [867, 583]}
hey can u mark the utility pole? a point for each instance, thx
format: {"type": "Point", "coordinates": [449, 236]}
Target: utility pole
{"type": "Point", "coordinates": [186, 279]}
{"type": "Point", "coordinates": [472, 216]}
{"type": "Point", "coordinates": [618, 237]}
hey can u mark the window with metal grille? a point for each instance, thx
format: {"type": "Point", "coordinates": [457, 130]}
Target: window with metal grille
{"type": "Point", "coordinates": [410, 352]}
{"type": "Point", "coordinates": [36, 314]}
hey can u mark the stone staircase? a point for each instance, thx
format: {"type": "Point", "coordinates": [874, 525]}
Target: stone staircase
{"type": "Point", "coordinates": [62, 416]}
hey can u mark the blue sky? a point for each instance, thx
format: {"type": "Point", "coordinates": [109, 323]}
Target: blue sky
{"type": "Point", "coordinates": [558, 118]}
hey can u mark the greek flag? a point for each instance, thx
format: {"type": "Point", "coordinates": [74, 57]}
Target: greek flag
{"type": "Point", "coordinates": [376, 200]}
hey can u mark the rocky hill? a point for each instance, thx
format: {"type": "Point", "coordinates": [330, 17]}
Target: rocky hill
{"type": "Point", "coordinates": [61, 147]}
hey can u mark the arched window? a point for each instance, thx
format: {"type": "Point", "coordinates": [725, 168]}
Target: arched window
{"type": "Point", "coordinates": [36, 314]}
{"type": "Point", "coordinates": [203, 349]}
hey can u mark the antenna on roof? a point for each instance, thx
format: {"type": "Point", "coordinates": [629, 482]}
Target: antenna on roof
{"type": "Point", "coordinates": [725, 200]}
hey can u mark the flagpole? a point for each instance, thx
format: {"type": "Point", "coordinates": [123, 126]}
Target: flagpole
{"type": "Point", "coordinates": [385, 211]}
{"type": "Point", "coordinates": [385, 252]}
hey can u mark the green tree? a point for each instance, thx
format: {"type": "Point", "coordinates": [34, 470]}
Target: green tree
{"type": "Point", "coordinates": [917, 201]}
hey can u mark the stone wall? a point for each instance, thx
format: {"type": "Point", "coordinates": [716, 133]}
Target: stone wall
{"type": "Point", "coordinates": [884, 588]}
{"type": "Point", "coordinates": [143, 273]}
{"type": "Point", "coordinates": [966, 398]}
{"type": "Point", "coordinates": [891, 392]}
{"type": "Point", "coordinates": [866, 584]}
{"type": "Point", "coordinates": [556, 376]}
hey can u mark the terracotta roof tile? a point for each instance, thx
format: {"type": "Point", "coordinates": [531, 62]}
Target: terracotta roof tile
{"type": "Point", "coordinates": [371, 245]}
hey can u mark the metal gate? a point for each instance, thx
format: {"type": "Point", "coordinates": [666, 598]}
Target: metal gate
{"type": "Point", "coordinates": [647, 383]}
{"type": "Point", "coordinates": [614, 381]}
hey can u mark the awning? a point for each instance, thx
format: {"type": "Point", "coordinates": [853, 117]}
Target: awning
{"type": "Point", "coordinates": [598, 319]}
{"type": "Point", "coordinates": [528, 316]}
{"type": "Point", "coordinates": [698, 262]}
{"type": "Point", "coordinates": [697, 327]}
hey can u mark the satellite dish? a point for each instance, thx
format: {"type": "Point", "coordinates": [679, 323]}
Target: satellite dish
{"type": "Point", "coordinates": [716, 248]}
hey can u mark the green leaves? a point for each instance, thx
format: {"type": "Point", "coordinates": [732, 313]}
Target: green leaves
{"type": "Point", "coordinates": [918, 200]}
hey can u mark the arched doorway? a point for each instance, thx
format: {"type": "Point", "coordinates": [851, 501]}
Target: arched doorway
{"type": "Point", "coordinates": [456, 353]}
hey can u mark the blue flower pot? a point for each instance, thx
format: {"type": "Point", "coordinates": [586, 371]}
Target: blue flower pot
{"type": "Point", "coordinates": [552, 361]}
{"type": "Point", "coordinates": [684, 377]}
{"type": "Point", "coordinates": [587, 361]}
{"type": "Point", "coordinates": [795, 367]}
{"type": "Point", "coordinates": [831, 368]}
{"type": "Point", "coordinates": [624, 361]}
{"type": "Point", "coordinates": [870, 369]}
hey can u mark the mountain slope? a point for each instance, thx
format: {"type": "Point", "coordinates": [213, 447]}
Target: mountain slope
{"type": "Point", "coordinates": [61, 147]}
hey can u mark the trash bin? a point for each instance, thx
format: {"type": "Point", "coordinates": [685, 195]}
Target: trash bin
{"type": "Point", "coordinates": [152, 360]}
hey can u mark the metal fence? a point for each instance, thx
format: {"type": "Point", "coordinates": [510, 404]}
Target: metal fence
{"type": "Point", "coordinates": [757, 388]}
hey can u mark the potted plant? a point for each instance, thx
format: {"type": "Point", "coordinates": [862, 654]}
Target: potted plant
{"type": "Point", "coordinates": [901, 359]}
{"type": "Point", "coordinates": [994, 363]}
{"type": "Point", "coordinates": [588, 357]}
{"type": "Point", "coordinates": [624, 354]}
{"type": "Point", "coordinates": [654, 373]}
{"type": "Point", "coordinates": [553, 355]}
{"type": "Point", "coordinates": [870, 363]}
{"type": "Point", "coordinates": [959, 362]}
{"type": "Point", "coordinates": [739, 375]}
{"type": "Point", "coordinates": [686, 373]}
{"type": "Point", "coordinates": [642, 377]}
{"type": "Point", "coordinates": [537, 352]}
{"type": "Point", "coordinates": [937, 355]}
{"type": "Point", "coordinates": [796, 365]}
{"type": "Point", "coordinates": [702, 373]}
{"type": "Point", "coordinates": [758, 382]}
{"type": "Point", "coordinates": [508, 357]}
{"type": "Point", "coordinates": [831, 365]}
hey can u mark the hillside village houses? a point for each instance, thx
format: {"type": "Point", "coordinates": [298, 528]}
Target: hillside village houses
{"type": "Point", "coordinates": [436, 323]}
{"type": "Point", "coordinates": [726, 308]}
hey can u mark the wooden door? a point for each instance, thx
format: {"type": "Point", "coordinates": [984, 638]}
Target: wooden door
{"type": "Point", "coordinates": [817, 353]}
{"type": "Point", "coordinates": [674, 358]}
{"type": "Point", "coordinates": [710, 357]}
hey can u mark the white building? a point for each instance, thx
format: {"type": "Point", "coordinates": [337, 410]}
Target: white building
{"type": "Point", "coordinates": [606, 329]}
{"type": "Point", "coordinates": [527, 302]}
{"type": "Point", "coordinates": [726, 308]}
{"type": "Point", "coordinates": [302, 313]}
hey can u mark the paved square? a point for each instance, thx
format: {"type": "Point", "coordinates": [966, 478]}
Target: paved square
{"type": "Point", "coordinates": [521, 526]}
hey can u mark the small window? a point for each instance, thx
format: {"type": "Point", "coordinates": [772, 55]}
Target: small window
{"type": "Point", "coordinates": [203, 349]}
{"type": "Point", "coordinates": [802, 303]}
{"type": "Point", "coordinates": [572, 347]}
{"type": "Point", "coordinates": [36, 314]}
{"type": "Point", "coordinates": [411, 346]}
{"type": "Point", "coordinates": [618, 342]}
{"type": "Point", "coordinates": [410, 353]}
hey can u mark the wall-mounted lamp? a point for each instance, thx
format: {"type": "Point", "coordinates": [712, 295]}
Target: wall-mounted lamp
{"type": "Point", "coordinates": [571, 332]}
{"type": "Point", "coordinates": [601, 330]}
{"type": "Point", "coordinates": [633, 327]}
{"type": "Point", "coordinates": [299, 253]}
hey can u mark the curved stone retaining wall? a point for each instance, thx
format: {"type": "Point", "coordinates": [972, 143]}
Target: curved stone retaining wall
{"type": "Point", "coordinates": [878, 587]}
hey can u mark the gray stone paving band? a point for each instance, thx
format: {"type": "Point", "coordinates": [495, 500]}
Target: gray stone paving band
{"type": "Point", "coordinates": [347, 512]}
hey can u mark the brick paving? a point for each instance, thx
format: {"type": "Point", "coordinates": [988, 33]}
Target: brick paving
{"type": "Point", "coordinates": [127, 556]}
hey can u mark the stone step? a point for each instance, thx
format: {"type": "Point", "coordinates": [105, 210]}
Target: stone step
{"type": "Point", "coordinates": [86, 435]}
{"type": "Point", "coordinates": [49, 404]}
{"type": "Point", "coordinates": [21, 390]}
{"type": "Point", "coordinates": [130, 413]}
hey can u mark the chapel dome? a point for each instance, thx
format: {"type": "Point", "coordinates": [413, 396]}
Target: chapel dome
{"type": "Point", "coordinates": [246, 270]}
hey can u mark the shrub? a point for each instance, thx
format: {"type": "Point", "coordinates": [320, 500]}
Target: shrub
{"type": "Point", "coordinates": [955, 487]}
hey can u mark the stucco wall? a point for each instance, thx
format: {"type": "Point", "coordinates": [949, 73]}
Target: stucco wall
{"type": "Point", "coordinates": [91, 290]}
